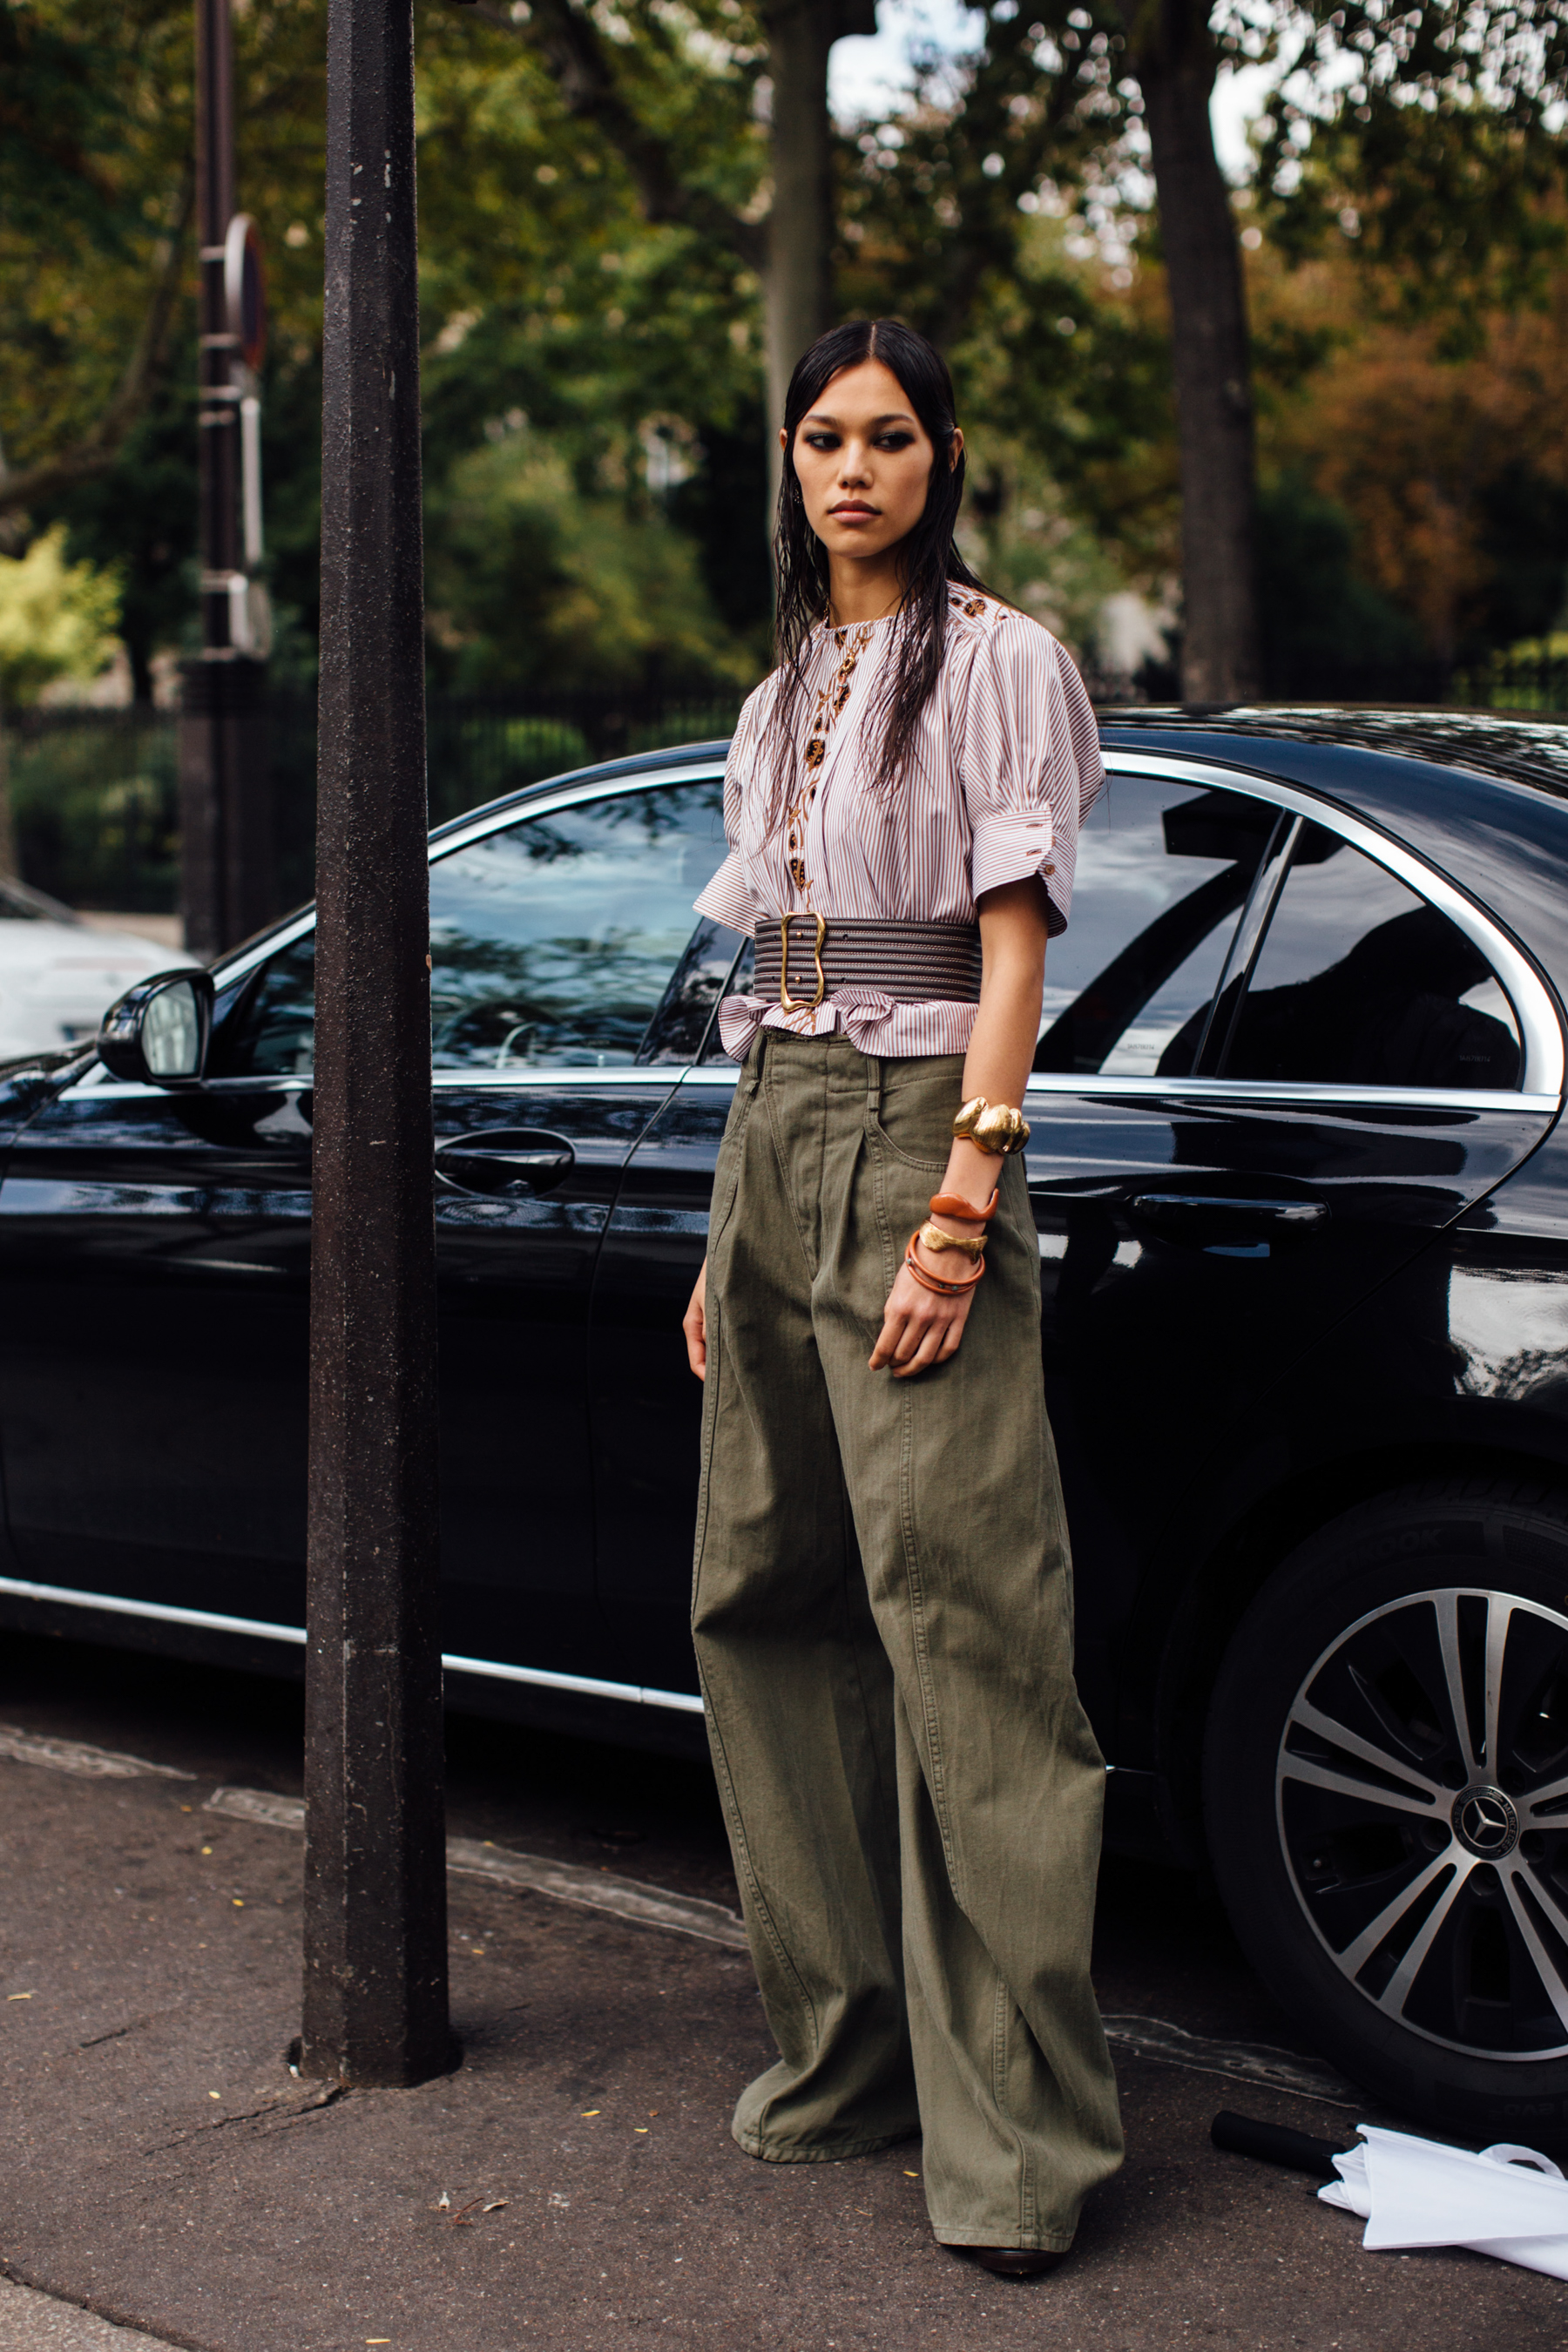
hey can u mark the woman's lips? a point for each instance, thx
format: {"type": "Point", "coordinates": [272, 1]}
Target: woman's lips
{"type": "Point", "coordinates": [853, 511]}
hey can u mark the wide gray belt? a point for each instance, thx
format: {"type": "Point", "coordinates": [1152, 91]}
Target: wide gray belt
{"type": "Point", "coordinates": [912, 962]}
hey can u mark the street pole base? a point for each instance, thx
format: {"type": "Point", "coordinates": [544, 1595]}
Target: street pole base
{"type": "Point", "coordinates": [327, 2068]}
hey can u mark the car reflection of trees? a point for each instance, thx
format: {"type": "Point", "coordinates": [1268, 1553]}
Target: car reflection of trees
{"type": "Point", "coordinates": [657, 815]}
{"type": "Point", "coordinates": [544, 1001]}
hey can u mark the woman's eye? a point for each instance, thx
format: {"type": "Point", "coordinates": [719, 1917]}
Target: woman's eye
{"type": "Point", "coordinates": [895, 440]}
{"type": "Point", "coordinates": [822, 440]}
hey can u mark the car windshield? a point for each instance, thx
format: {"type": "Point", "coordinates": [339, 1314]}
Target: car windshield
{"type": "Point", "coordinates": [20, 904]}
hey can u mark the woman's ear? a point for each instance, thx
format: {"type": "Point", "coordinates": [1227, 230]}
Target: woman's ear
{"type": "Point", "coordinates": [783, 438]}
{"type": "Point", "coordinates": [956, 449]}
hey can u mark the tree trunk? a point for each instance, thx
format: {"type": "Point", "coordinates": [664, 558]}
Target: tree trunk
{"type": "Point", "coordinates": [797, 280]}
{"type": "Point", "coordinates": [1175, 58]}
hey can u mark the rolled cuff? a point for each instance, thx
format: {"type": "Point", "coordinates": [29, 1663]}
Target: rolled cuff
{"type": "Point", "coordinates": [1011, 844]}
{"type": "Point", "coordinates": [726, 899]}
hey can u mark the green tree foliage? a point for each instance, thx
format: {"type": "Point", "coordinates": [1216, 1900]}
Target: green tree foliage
{"type": "Point", "coordinates": [545, 289]}
{"type": "Point", "coordinates": [1432, 135]}
{"type": "Point", "coordinates": [531, 582]}
{"type": "Point", "coordinates": [593, 180]}
{"type": "Point", "coordinates": [57, 619]}
{"type": "Point", "coordinates": [95, 186]}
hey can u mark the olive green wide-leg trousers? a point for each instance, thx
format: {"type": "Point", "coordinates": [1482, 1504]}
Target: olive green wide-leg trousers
{"type": "Point", "coordinates": [883, 1619]}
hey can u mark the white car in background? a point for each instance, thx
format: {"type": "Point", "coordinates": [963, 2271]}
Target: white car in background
{"type": "Point", "coordinates": [59, 975]}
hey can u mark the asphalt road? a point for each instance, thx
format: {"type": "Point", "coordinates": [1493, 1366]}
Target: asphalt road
{"type": "Point", "coordinates": [572, 2184]}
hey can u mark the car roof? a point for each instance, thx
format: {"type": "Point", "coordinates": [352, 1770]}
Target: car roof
{"type": "Point", "coordinates": [1493, 743]}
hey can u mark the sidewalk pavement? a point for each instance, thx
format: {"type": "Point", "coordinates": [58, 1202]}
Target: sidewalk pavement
{"type": "Point", "coordinates": [573, 2185]}
{"type": "Point", "coordinates": [30, 2322]}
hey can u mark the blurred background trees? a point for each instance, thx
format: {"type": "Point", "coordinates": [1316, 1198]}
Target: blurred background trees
{"type": "Point", "coordinates": [1368, 326]}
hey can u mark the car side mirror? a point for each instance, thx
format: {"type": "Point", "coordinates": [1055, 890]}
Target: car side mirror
{"type": "Point", "coordinates": [158, 1031]}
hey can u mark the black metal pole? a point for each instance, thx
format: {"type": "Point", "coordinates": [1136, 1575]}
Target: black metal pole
{"type": "Point", "coordinates": [376, 1917]}
{"type": "Point", "coordinates": [227, 882]}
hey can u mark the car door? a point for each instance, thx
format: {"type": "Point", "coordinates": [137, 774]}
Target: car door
{"type": "Point", "coordinates": [153, 1268]}
{"type": "Point", "coordinates": [645, 1406]}
{"type": "Point", "coordinates": [558, 960]}
{"type": "Point", "coordinates": [1215, 1195]}
{"type": "Point", "coordinates": [154, 1246]}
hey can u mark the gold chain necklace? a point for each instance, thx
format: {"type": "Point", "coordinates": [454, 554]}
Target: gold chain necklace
{"type": "Point", "coordinates": [830, 702]}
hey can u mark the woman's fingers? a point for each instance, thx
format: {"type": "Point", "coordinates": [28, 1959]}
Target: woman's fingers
{"type": "Point", "coordinates": [939, 1339]}
{"type": "Point", "coordinates": [887, 1339]}
{"type": "Point", "coordinates": [694, 1323]}
{"type": "Point", "coordinates": [925, 1355]}
{"type": "Point", "coordinates": [920, 1329]}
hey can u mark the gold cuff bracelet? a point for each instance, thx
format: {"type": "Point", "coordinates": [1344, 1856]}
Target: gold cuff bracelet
{"type": "Point", "coordinates": [994, 1128]}
{"type": "Point", "coordinates": [932, 1237]}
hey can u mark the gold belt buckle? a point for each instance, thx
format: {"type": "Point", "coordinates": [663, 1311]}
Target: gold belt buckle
{"type": "Point", "coordinates": [793, 1003]}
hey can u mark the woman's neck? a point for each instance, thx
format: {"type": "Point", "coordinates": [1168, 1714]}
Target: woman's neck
{"type": "Point", "coordinates": [867, 589]}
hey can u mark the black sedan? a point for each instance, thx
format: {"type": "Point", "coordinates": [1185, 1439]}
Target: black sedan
{"type": "Point", "coordinates": [1302, 1203]}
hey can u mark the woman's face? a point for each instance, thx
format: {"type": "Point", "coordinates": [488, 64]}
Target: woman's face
{"type": "Point", "coordinates": [864, 460]}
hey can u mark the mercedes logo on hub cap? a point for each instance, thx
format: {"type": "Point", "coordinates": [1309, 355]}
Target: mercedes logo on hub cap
{"type": "Point", "coordinates": [1485, 1823]}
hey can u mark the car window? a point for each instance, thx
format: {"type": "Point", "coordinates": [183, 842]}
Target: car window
{"type": "Point", "coordinates": [1360, 982]}
{"type": "Point", "coordinates": [736, 982]}
{"type": "Point", "coordinates": [267, 1026]}
{"type": "Point", "coordinates": [553, 942]}
{"type": "Point", "coordinates": [1162, 872]}
{"type": "Point", "coordinates": [684, 1028]}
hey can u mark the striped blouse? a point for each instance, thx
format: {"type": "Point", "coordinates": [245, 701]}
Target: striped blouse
{"type": "Point", "coordinates": [1004, 768]}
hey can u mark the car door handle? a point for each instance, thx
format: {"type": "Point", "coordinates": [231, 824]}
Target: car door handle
{"type": "Point", "coordinates": [512, 1160]}
{"type": "Point", "coordinates": [1228, 1224]}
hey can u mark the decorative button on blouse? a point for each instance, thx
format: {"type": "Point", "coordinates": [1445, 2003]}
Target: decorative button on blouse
{"type": "Point", "coordinates": [1004, 766]}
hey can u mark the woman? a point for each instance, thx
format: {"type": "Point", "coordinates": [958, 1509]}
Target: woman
{"type": "Point", "coordinates": [882, 1605]}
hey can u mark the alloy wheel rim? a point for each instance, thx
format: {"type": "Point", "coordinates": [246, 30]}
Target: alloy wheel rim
{"type": "Point", "coordinates": [1421, 1798]}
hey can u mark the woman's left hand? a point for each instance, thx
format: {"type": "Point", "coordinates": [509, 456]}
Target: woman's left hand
{"type": "Point", "coordinates": [919, 1327]}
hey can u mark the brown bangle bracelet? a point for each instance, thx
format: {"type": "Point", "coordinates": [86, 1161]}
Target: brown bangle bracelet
{"type": "Point", "coordinates": [934, 1282]}
{"type": "Point", "coordinates": [953, 1204]}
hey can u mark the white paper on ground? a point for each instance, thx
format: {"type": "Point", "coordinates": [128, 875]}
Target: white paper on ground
{"type": "Point", "coordinates": [1508, 2201]}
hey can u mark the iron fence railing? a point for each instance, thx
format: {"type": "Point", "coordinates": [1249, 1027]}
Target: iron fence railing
{"type": "Point", "coordinates": [95, 796]}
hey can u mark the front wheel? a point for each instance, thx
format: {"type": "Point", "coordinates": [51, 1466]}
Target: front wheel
{"type": "Point", "coordinates": [1386, 1800]}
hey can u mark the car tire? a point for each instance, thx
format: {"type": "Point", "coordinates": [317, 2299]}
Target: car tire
{"type": "Point", "coordinates": [1386, 1796]}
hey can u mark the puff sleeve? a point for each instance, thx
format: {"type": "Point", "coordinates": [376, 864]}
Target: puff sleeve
{"type": "Point", "coordinates": [1030, 765]}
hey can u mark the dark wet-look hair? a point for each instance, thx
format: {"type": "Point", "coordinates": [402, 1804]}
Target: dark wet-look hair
{"type": "Point", "coordinates": [928, 558]}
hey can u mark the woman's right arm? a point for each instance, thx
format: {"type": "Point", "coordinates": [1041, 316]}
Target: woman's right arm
{"type": "Point", "coordinates": [694, 1323]}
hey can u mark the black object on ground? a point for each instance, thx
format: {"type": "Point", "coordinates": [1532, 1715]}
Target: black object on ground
{"type": "Point", "coordinates": [1274, 2144]}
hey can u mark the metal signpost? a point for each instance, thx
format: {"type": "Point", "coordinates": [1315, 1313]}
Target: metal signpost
{"type": "Point", "coordinates": [375, 1911]}
{"type": "Point", "coordinates": [227, 855]}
